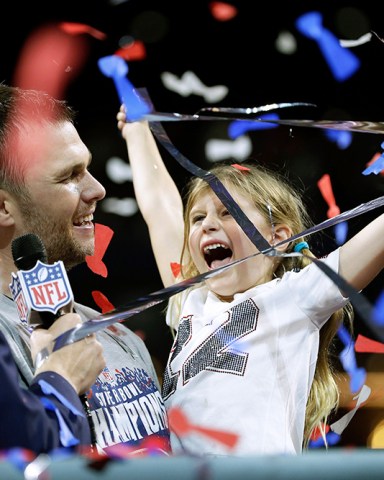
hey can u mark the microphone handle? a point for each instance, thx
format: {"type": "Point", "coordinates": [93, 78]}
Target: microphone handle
{"type": "Point", "coordinates": [91, 423]}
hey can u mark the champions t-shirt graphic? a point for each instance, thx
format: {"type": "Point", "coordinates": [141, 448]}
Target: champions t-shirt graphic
{"type": "Point", "coordinates": [127, 408]}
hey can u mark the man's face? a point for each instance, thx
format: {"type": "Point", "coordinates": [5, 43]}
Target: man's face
{"type": "Point", "coordinates": [63, 194]}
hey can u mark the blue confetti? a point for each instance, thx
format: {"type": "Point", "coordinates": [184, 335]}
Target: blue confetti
{"type": "Point", "coordinates": [116, 68]}
{"type": "Point", "coordinates": [341, 232]}
{"type": "Point", "coordinates": [342, 63]}
{"type": "Point", "coordinates": [378, 310]}
{"type": "Point", "coordinates": [239, 127]}
{"type": "Point", "coordinates": [343, 139]}
{"type": "Point", "coordinates": [376, 167]}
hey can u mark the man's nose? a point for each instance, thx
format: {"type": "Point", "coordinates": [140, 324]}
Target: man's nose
{"type": "Point", "coordinates": [93, 189]}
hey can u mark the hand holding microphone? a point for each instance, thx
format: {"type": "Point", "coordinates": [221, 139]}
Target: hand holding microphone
{"type": "Point", "coordinates": [79, 363]}
{"type": "Point", "coordinates": [42, 294]}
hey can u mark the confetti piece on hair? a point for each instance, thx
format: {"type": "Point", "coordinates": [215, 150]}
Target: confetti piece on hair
{"type": "Point", "coordinates": [238, 149]}
{"type": "Point", "coordinates": [240, 167]}
{"type": "Point", "coordinates": [133, 51]}
{"type": "Point", "coordinates": [348, 360]}
{"type": "Point", "coordinates": [103, 235]}
{"type": "Point", "coordinates": [116, 68]}
{"type": "Point", "coordinates": [179, 424]}
{"type": "Point", "coordinates": [239, 127]}
{"type": "Point", "coordinates": [343, 139]}
{"type": "Point", "coordinates": [374, 158]}
{"type": "Point", "coordinates": [49, 60]}
{"type": "Point", "coordinates": [79, 28]}
{"type": "Point", "coordinates": [340, 425]}
{"type": "Point", "coordinates": [325, 187]}
{"type": "Point", "coordinates": [342, 63]}
{"type": "Point", "coordinates": [176, 268]}
{"type": "Point", "coordinates": [367, 345]}
{"type": "Point", "coordinates": [190, 84]}
{"type": "Point", "coordinates": [102, 302]}
{"type": "Point", "coordinates": [222, 12]}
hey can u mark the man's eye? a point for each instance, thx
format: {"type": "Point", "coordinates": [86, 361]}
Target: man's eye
{"type": "Point", "coordinates": [69, 177]}
{"type": "Point", "coordinates": [72, 176]}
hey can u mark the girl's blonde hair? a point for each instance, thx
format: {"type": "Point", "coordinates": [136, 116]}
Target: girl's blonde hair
{"type": "Point", "coordinates": [279, 203]}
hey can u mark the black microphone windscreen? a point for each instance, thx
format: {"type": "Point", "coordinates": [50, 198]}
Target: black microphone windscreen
{"type": "Point", "coordinates": [27, 250]}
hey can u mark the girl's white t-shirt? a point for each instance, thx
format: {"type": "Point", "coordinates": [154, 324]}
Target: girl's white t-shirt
{"type": "Point", "coordinates": [246, 367]}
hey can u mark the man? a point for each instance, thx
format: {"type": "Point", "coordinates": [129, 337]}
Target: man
{"type": "Point", "coordinates": [47, 189]}
{"type": "Point", "coordinates": [49, 414]}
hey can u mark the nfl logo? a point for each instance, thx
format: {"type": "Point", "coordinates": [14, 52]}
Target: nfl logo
{"type": "Point", "coordinates": [44, 288]}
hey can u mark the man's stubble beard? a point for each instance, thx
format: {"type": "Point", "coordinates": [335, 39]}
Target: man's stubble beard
{"type": "Point", "coordinates": [59, 243]}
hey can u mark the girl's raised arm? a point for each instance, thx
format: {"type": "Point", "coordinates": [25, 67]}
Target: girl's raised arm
{"type": "Point", "coordinates": [157, 195]}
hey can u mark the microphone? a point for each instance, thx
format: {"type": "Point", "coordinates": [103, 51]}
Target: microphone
{"type": "Point", "coordinates": [42, 292]}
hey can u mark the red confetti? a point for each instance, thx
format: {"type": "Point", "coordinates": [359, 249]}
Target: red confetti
{"type": "Point", "coordinates": [240, 167]}
{"type": "Point", "coordinates": [133, 51]}
{"type": "Point", "coordinates": [154, 444]}
{"type": "Point", "coordinates": [79, 28]}
{"type": "Point", "coordinates": [103, 235]}
{"type": "Point", "coordinates": [176, 268]}
{"type": "Point", "coordinates": [316, 434]}
{"type": "Point", "coordinates": [49, 59]}
{"type": "Point", "coordinates": [222, 12]}
{"type": "Point", "coordinates": [325, 187]}
{"type": "Point", "coordinates": [364, 344]}
{"type": "Point", "coordinates": [102, 301]}
{"type": "Point", "coordinates": [179, 424]}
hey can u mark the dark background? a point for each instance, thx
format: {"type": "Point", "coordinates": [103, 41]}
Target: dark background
{"type": "Point", "coordinates": [240, 53]}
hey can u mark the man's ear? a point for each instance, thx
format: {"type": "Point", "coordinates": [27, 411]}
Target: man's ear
{"type": "Point", "coordinates": [7, 209]}
{"type": "Point", "coordinates": [281, 233]}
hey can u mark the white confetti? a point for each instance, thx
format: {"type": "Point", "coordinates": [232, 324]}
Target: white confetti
{"type": "Point", "coordinates": [190, 84]}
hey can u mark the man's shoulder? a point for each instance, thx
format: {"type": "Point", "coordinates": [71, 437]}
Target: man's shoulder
{"type": "Point", "coordinates": [117, 328]}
